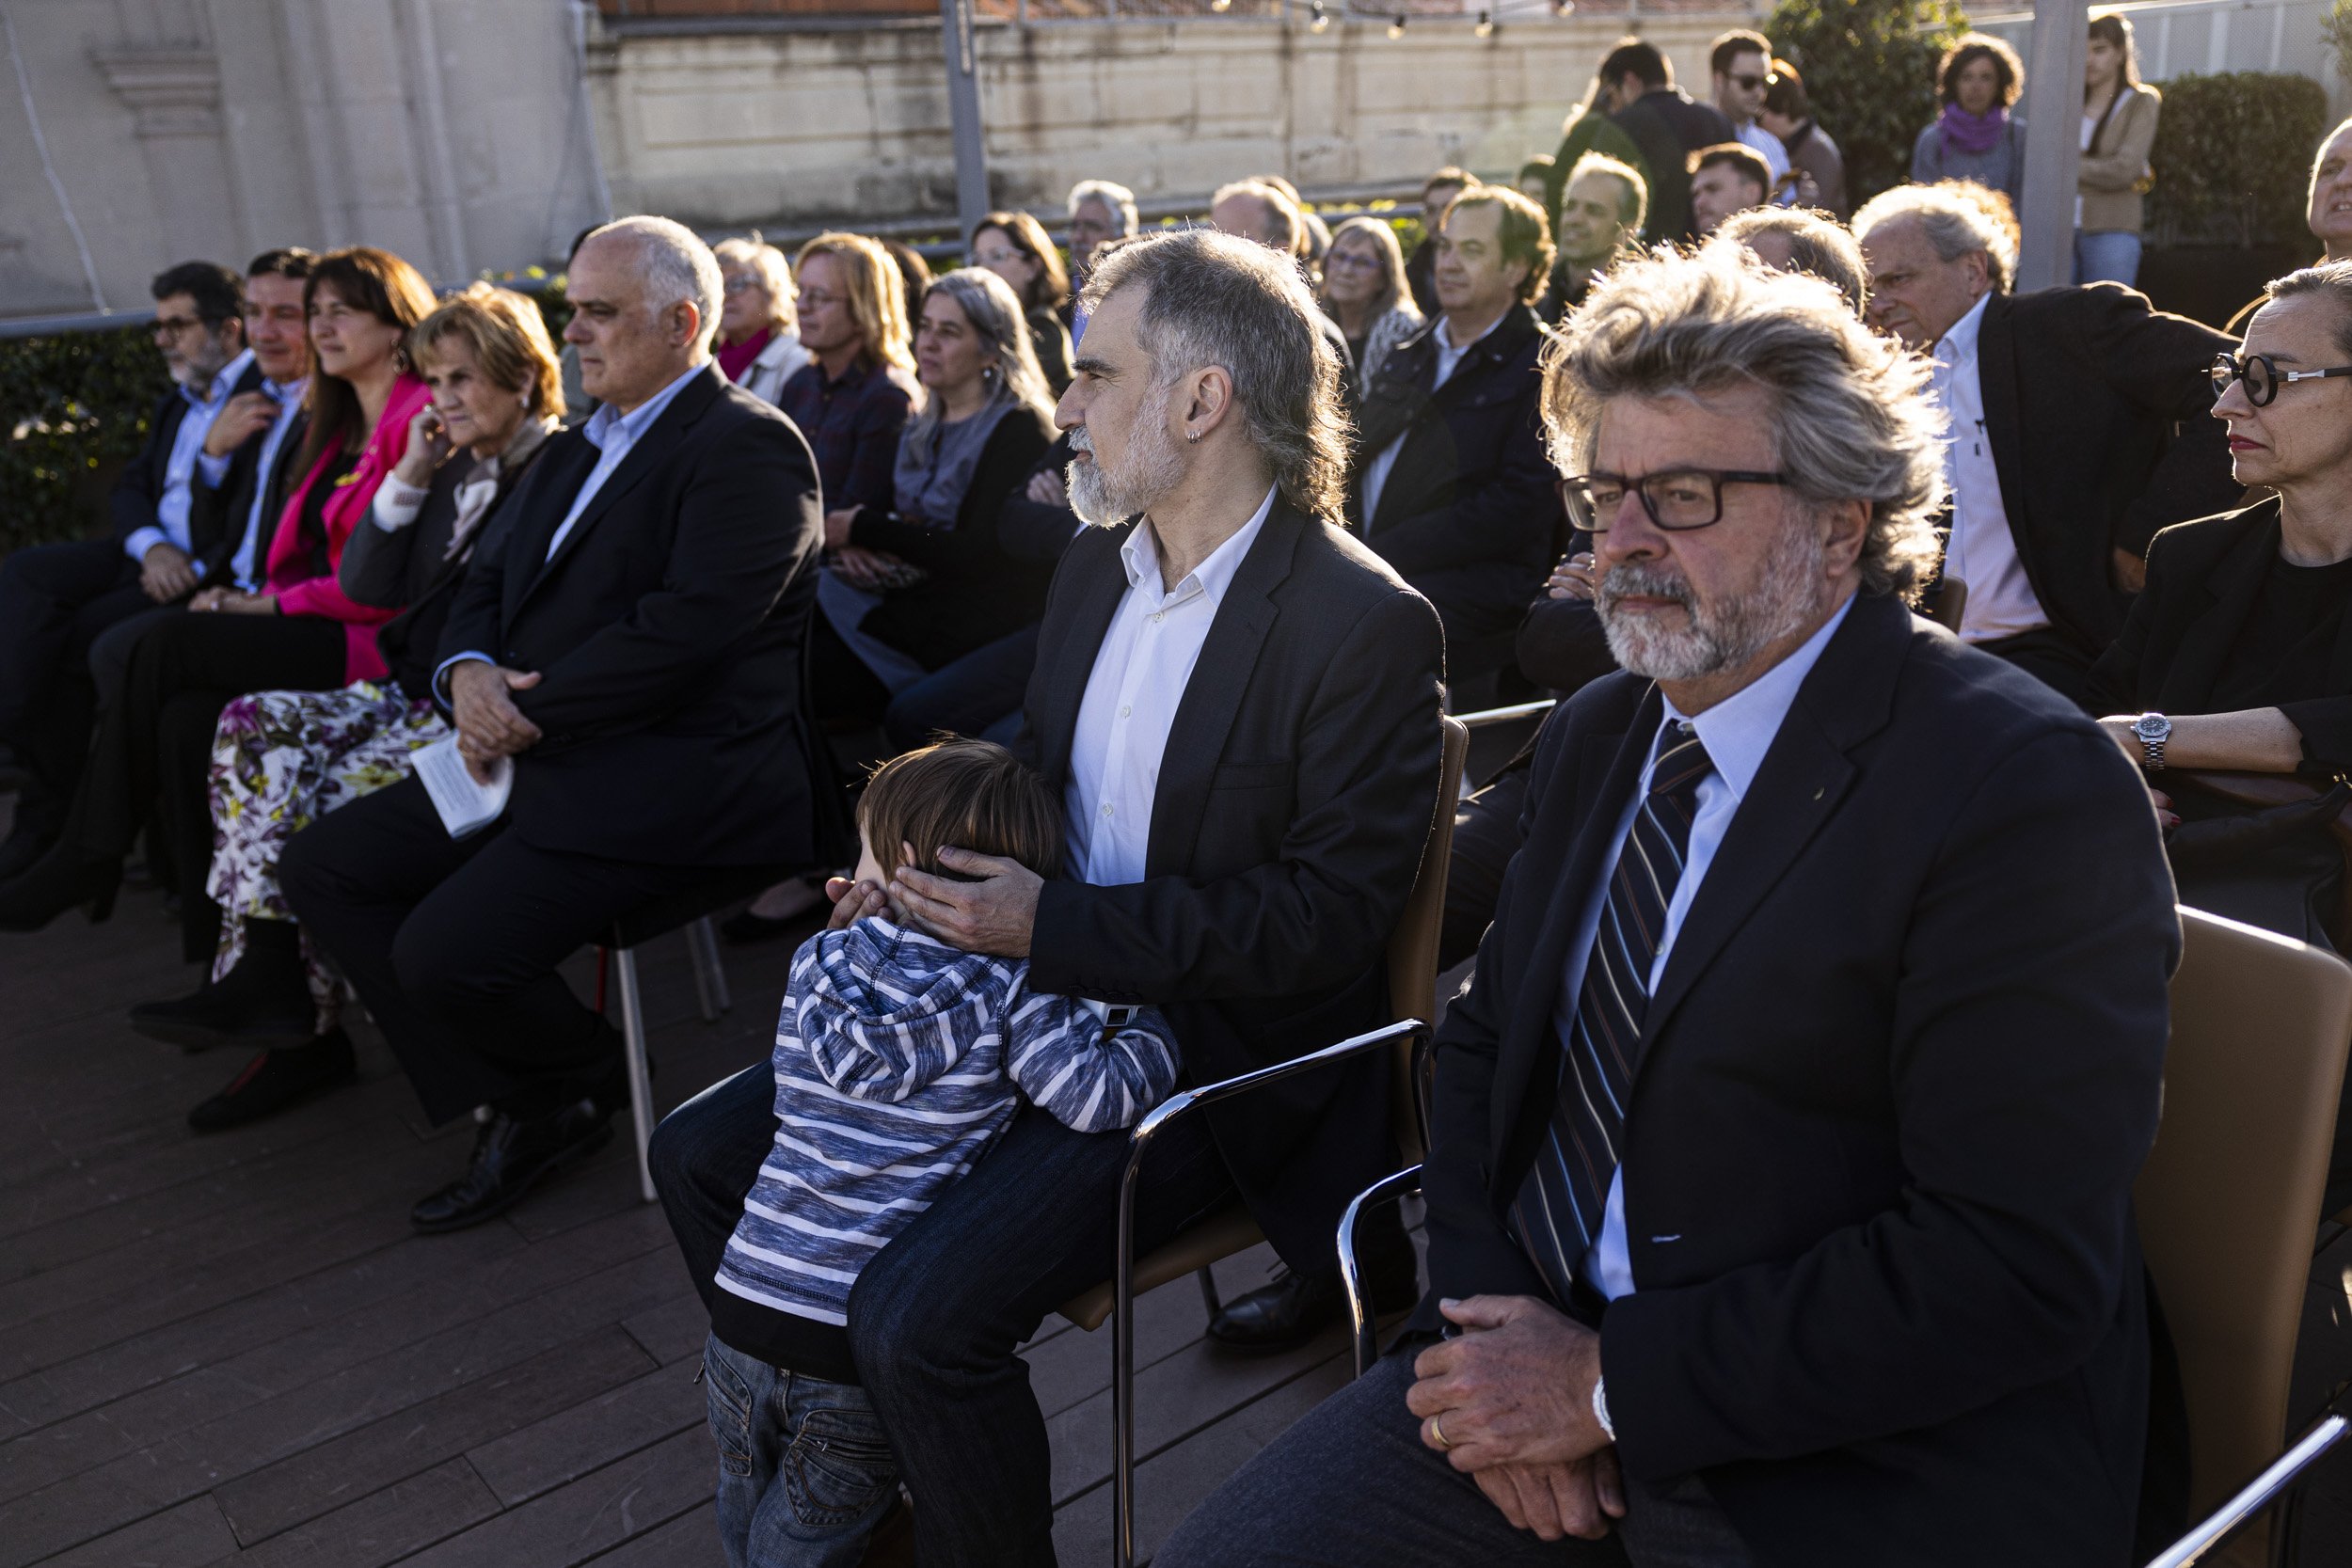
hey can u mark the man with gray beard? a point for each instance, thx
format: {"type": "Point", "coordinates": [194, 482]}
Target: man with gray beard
{"type": "Point", "coordinates": [1780, 1166]}
{"type": "Point", "coordinates": [1240, 706]}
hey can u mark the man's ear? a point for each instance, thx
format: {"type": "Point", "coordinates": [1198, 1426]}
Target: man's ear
{"type": "Point", "coordinates": [685, 321]}
{"type": "Point", "coordinates": [1844, 529]}
{"type": "Point", "coordinates": [1211, 401]}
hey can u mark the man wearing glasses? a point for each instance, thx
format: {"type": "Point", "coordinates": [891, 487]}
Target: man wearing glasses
{"type": "Point", "coordinates": [2078, 426]}
{"type": "Point", "coordinates": [55, 599]}
{"type": "Point", "coordinates": [1781, 1152]}
{"type": "Point", "coordinates": [1742, 63]}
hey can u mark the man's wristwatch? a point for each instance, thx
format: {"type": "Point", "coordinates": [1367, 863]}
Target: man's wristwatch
{"type": "Point", "coordinates": [1600, 1408]}
{"type": "Point", "coordinates": [2154, 730]}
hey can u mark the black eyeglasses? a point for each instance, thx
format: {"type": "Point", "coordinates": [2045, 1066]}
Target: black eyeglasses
{"type": "Point", "coordinates": [2262, 375]}
{"type": "Point", "coordinates": [1749, 84]}
{"type": "Point", "coordinates": [1676, 499]}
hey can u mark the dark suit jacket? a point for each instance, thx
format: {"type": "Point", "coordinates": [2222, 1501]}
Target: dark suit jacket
{"type": "Point", "coordinates": [131, 505]}
{"type": "Point", "coordinates": [1297, 786]}
{"type": "Point", "coordinates": [977, 590]}
{"type": "Point", "coordinates": [1668, 125]}
{"type": "Point", "coordinates": [1899, 1074]}
{"type": "Point", "coordinates": [1468, 513]}
{"type": "Point", "coordinates": [2203, 582]}
{"type": "Point", "coordinates": [2099, 412]}
{"type": "Point", "coordinates": [219, 514]}
{"type": "Point", "coordinates": [668, 632]}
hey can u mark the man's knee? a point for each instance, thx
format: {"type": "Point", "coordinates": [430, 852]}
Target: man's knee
{"type": "Point", "coordinates": [905, 1319]}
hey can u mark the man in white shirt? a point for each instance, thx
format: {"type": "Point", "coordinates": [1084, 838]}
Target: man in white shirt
{"type": "Point", "coordinates": [1782, 1145]}
{"type": "Point", "coordinates": [2076, 427]}
{"type": "Point", "coordinates": [1240, 707]}
{"type": "Point", "coordinates": [55, 600]}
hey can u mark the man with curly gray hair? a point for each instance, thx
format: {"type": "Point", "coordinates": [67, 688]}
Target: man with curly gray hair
{"type": "Point", "coordinates": [1781, 1153]}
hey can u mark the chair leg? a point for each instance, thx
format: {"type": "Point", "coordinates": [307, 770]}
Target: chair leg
{"type": "Point", "coordinates": [710, 975]}
{"type": "Point", "coordinates": [633, 1048]}
{"type": "Point", "coordinates": [1208, 1292]}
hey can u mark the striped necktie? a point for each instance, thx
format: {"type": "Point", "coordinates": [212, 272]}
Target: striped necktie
{"type": "Point", "coordinates": [1559, 1207]}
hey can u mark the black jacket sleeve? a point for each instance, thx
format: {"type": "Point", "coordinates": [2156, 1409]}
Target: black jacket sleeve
{"type": "Point", "coordinates": [1012, 450]}
{"type": "Point", "coordinates": [1562, 645]}
{"type": "Point", "coordinates": [133, 501]}
{"type": "Point", "coordinates": [2161, 365]}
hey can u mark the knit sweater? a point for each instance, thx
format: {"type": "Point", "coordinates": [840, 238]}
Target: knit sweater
{"type": "Point", "coordinates": [898, 1060]}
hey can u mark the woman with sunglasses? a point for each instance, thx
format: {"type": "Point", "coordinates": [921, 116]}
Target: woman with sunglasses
{"type": "Point", "coordinates": [2238, 653]}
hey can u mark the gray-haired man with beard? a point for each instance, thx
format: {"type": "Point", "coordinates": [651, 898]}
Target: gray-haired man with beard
{"type": "Point", "coordinates": [1239, 705]}
{"type": "Point", "coordinates": [1781, 1157]}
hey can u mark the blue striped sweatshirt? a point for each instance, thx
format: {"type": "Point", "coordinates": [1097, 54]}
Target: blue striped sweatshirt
{"type": "Point", "coordinates": [897, 1061]}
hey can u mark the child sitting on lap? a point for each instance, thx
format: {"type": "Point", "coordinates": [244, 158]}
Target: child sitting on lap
{"type": "Point", "coordinates": [898, 1060]}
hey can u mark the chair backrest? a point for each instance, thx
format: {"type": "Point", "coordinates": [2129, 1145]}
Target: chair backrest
{"type": "Point", "coordinates": [2229, 1197]}
{"type": "Point", "coordinates": [1948, 604]}
{"type": "Point", "coordinates": [1413, 946]}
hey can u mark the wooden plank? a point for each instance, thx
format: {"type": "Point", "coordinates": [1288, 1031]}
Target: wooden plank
{"type": "Point", "coordinates": [597, 1512]}
{"type": "Point", "coordinates": [688, 1541]}
{"type": "Point", "coordinates": [321, 1476]}
{"type": "Point", "coordinates": [527, 1460]}
{"type": "Point", "coordinates": [189, 1536]}
{"type": "Point", "coordinates": [384, 1526]}
{"type": "Point", "coordinates": [673, 1331]}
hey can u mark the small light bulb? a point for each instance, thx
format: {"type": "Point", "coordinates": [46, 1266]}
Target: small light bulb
{"type": "Point", "coordinates": [1563, 8]}
{"type": "Point", "coordinates": [1220, 6]}
{"type": "Point", "coordinates": [1396, 28]}
{"type": "Point", "coordinates": [1486, 28]}
{"type": "Point", "coordinates": [1320, 19]}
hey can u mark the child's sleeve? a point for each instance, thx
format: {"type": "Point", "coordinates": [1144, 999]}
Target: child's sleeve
{"type": "Point", "coordinates": [1086, 1076]}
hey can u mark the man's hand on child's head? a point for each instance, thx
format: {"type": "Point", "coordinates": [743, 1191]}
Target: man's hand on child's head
{"type": "Point", "coordinates": [853, 901]}
{"type": "Point", "coordinates": [993, 914]}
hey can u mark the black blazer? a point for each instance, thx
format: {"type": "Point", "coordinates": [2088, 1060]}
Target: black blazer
{"type": "Point", "coordinates": [1668, 125]}
{"type": "Point", "coordinates": [668, 631]}
{"type": "Point", "coordinates": [131, 505]}
{"type": "Point", "coordinates": [1297, 786]}
{"type": "Point", "coordinates": [1468, 513]}
{"type": "Point", "coordinates": [2100, 411]}
{"type": "Point", "coordinates": [219, 514]}
{"type": "Point", "coordinates": [1902, 1071]}
{"type": "Point", "coordinates": [2204, 580]}
{"type": "Point", "coordinates": [409, 569]}
{"type": "Point", "coordinates": [976, 591]}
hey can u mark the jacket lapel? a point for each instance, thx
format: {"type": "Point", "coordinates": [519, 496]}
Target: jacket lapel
{"type": "Point", "coordinates": [651, 450]}
{"type": "Point", "coordinates": [1068, 663]}
{"type": "Point", "coordinates": [1845, 699]}
{"type": "Point", "coordinates": [1204, 716]}
{"type": "Point", "coordinates": [1996, 383]}
{"type": "Point", "coordinates": [2231, 586]}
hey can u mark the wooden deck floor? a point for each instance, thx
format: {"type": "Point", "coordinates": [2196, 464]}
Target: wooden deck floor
{"type": "Point", "coordinates": [231, 1349]}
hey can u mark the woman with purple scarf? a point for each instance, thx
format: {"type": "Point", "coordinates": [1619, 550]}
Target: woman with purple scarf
{"type": "Point", "coordinates": [1975, 137]}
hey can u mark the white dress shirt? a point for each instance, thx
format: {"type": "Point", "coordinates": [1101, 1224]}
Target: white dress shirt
{"type": "Point", "coordinates": [288, 396]}
{"type": "Point", "coordinates": [170, 526]}
{"type": "Point", "coordinates": [1449, 359]}
{"type": "Point", "coordinates": [1737, 733]}
{"type": "Point", "coordinates": [1982, 552]}
{"type": "Point", "coordinates": [1775, 153]}
{"type": "Point", "coordinates": [1131, 699]}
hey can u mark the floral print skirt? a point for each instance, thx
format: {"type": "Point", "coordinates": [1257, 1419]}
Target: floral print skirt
{"type": "Point", "coordinates": [280, 761]}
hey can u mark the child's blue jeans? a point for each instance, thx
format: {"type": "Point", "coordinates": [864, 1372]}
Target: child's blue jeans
{"type": "Point", "coordinates": [806, 1473]}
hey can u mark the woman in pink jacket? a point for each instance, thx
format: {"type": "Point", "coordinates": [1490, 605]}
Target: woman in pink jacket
{"type": "Point", "coordinates": [297, 631]}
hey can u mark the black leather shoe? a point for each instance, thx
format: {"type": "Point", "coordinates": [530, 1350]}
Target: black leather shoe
{"type": "Point", "coordinates": [261, 1000]}
{"type": "Point", "coordinates": [56, 883]}
{"type": "Point", "coordinates": [1295, 1307]}
{"type": "Point", "coordinates": [276, 1079]}
{"type": "Point", "coordinates": [23, 845]}
{"type": "Point", "coordinates": [510, 1157]}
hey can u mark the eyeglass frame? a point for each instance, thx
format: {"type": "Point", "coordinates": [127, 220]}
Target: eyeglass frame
{"type": "Point", "coordinates": [2227, 368]}
{"type": "Point", "coordinates": [1717, 478]}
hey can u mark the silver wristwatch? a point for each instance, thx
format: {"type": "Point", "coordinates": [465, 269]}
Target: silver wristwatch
{"type": "Point", "coordinates": [2154, 730]}
{"type": "Point", "coordinates": [1600, 1408]}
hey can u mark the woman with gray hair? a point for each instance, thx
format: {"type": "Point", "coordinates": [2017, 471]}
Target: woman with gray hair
{"type": "Point", "coordinates": [1364, 290]}
{"type": "Point", "coordinates": [758, 346]}
{"type": "Point", "coordinates": [948, 586]}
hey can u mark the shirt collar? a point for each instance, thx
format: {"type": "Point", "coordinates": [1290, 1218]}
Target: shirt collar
{"type": "Point", "coordinates": [1958, 344]}
{"type": "Point", "coordinates": [633, 425]}
{"type": "Point", "coordinates": [287, 391]}
{"type": "Point", "coordinates": [1445, 333]}
{"type": "Point", "coordinates": [1738, 731]}
{"type": "Point", "coordinates": [1141, 554]}
{"type": "Point", "coordinates": [218, 387]}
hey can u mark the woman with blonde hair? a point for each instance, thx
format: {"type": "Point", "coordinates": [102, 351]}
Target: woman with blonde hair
{"type": "Point", "coordinates": [282, 759]}
{"type": "Point", "coordinates": [758, 346]}
{"type": "Point", "coordinates": [1016, 247]}
{"type": "Point", "coordinates": [1365, 292]}
{"type": "Point", "coordinates": [858, 391]}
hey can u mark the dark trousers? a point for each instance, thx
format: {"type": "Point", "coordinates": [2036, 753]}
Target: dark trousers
{"type": "Point", "coordinates": [55, 601]}
{"type": "Point", "coordinates": [154, 735]}
{"type": "Point", "coordinates": [1485, 836]}
{"type": "Point", "coordinates": [454, 944]}
{"type": "Point", "coordinates": [1352, 1485]}
{"type": "Point", "coordinates": [978, 694]}
{"type": "Point", "coordinates": [936, 1319]}
{"type": "Point", "coordinates": [2050, 657]}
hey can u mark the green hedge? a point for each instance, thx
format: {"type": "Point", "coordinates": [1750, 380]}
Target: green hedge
{"type": "Point", "coordinates": [2232, 159]}
{"type": "Point", "coordinates": [78, 406]}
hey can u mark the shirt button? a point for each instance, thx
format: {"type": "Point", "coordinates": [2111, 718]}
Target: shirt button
{"type": "Point", "coordinates": [1106, 808]}
{"type": "Point", "coordinates": [1125, 709]}
{"type": "Point", "coordinates": [1156, 616]}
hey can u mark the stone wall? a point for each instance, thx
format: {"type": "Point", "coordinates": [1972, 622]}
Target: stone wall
{"type": "Point", "coordinates": [729, 129]}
